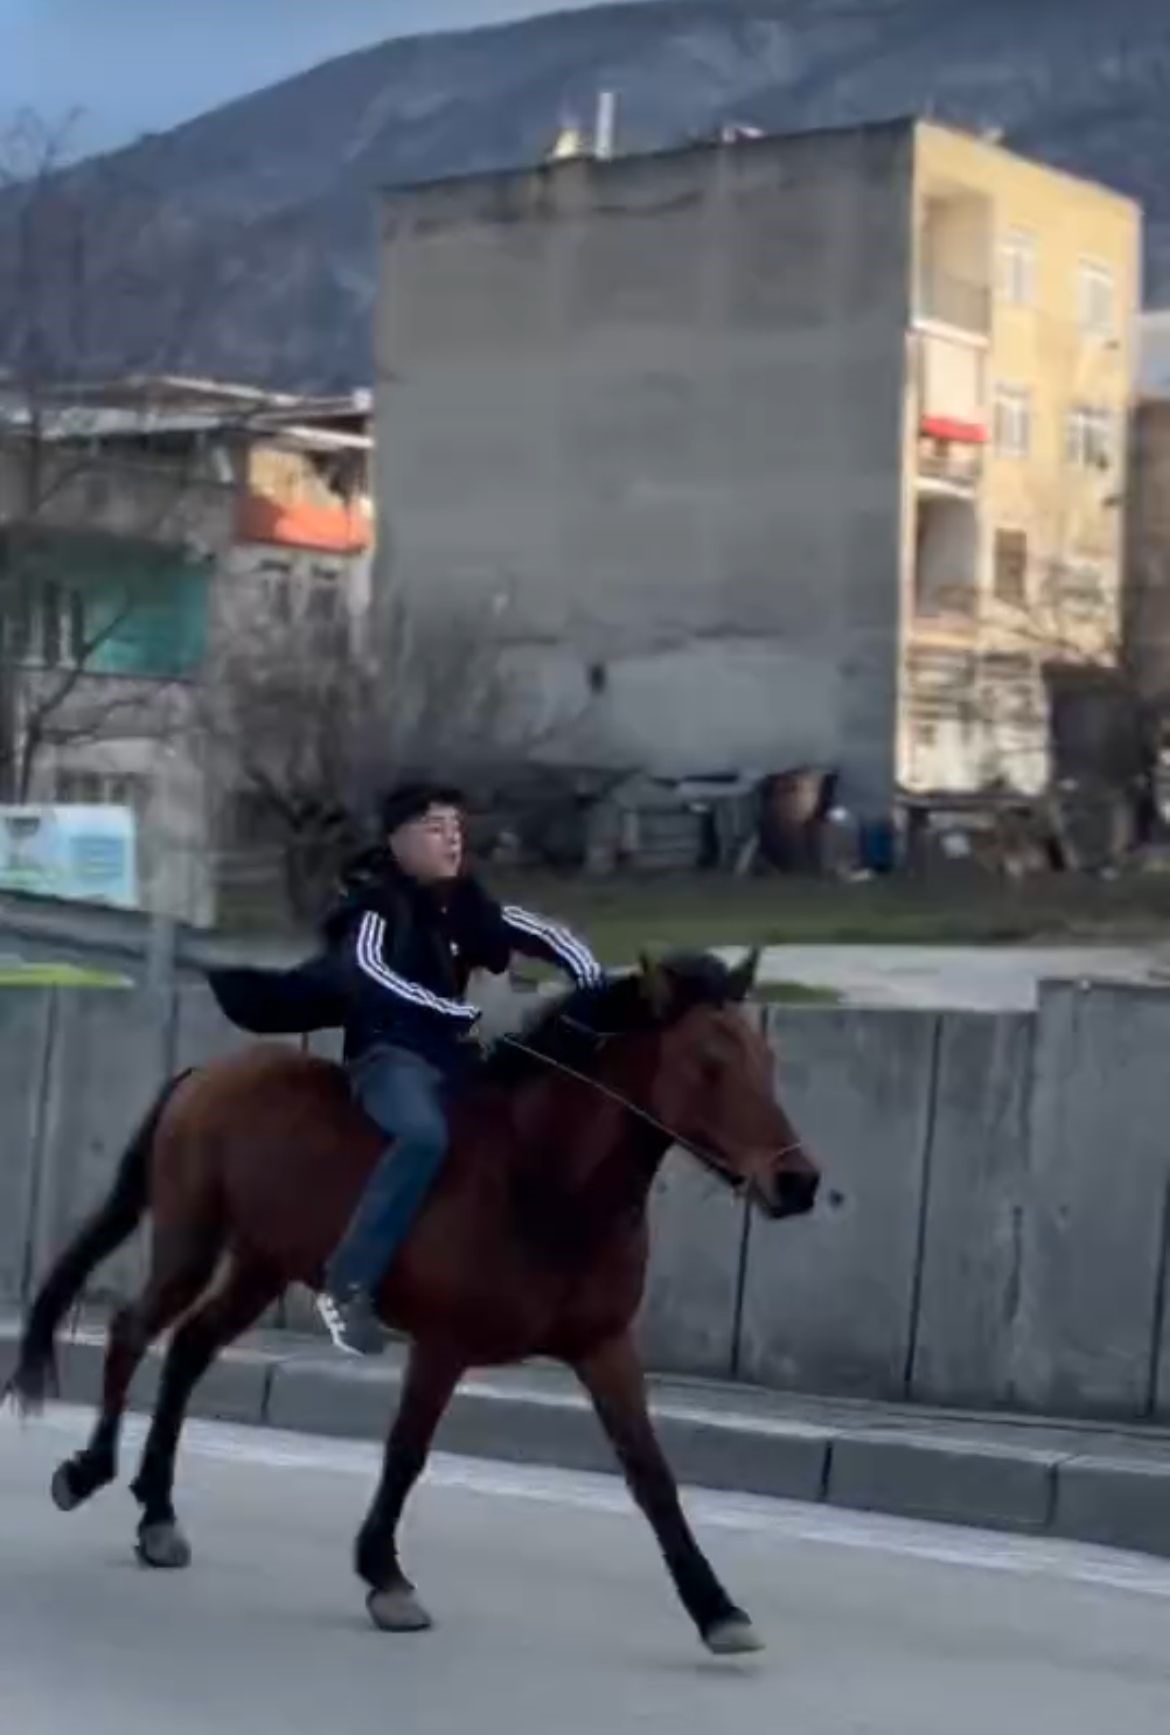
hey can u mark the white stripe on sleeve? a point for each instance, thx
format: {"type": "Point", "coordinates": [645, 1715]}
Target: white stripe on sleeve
{"type": "Point", "coordinates": [370, 941]}
{"type": "Point", "coordinates": [573, 953]}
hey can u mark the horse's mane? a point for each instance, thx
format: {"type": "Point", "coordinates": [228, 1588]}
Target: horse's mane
{"type": "Point", "coordinates": [566, 1028]}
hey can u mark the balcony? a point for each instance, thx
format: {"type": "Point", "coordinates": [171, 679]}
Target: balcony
{"type": "Point", "coordinates": [955, 302]}
{"type": "Point", "coordinates": [951, 411]}
{"type": "Point", "coordinates": [948, 465]}
{"type": "Point", "coordinates": [955, 260]}
{"type": "Point", "coordinates": [946, 568]}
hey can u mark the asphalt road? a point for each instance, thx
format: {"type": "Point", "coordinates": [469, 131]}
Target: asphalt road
{"type": "Point", "coordinates": [555, 1616]}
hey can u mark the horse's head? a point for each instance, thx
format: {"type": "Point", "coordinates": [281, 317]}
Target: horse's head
{"type": "Point", "coordinates": [713, 1085]}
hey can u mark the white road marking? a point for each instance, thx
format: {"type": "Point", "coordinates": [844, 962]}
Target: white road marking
{"type": "Point", "coordinates": [778, 1520]}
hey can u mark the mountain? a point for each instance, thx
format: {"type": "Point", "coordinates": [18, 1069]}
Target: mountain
{"type": "Point", "coordinates": [265, 210]}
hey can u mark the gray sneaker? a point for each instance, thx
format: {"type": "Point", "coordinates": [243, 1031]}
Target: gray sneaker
{"type": "Point", "coordinates": [351, 1322]}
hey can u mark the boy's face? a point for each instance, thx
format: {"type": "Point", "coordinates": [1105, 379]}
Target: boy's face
{"type": "Point", "coordinates": [430, 848]}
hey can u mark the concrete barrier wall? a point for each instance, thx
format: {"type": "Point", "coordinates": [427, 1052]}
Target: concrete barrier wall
{"type": "Point", "coordinates": [972, 1212]}
{"type": "Point", "coordinates": [202, 1033]}
{"type": "Point", "coordinates": [111, 1053]}
{"type": "Point", "coordinates": [1001, 1236]}
{"type": "Point", "coordinates": [829, 1302]}
{"type": "Point", "coordinates": [689, 1314]}
{"type": "Point", "coordinates": [1097, 1210]}
{"type": "Point", "coordinates": [25, 1041]}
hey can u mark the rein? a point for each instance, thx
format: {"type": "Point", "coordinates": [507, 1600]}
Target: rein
{"type": "Point", "coordinates": [736, 1182]}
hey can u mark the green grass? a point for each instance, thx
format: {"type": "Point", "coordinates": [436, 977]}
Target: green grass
{"type": "Point", "coordinates": [622, 917]}
{"type": "Point", "coordinates": [15, 974]}
{"type": "Point", "coordinates": [795, 994]}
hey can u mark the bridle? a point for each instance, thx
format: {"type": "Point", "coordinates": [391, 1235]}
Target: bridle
{"type": "Point", "coordinates": [737, 1183]}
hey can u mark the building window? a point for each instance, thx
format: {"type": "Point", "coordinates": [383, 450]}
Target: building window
{"type": "Point", "coordinates": [49, 625]}
{"type": "Point", "coordinates": [75, 638]}
{"type": "Point", "coordinates": [1011, 693]}
{"type": "Point", "coordinates": [278, 595]}
{"type": "Point", "coordinates": [1013, 421]}
{"type": "Point", "coordinates": [1095, 299]}
{"type": "Point", "coordinates": [1011, 566]}
{"type": "Point", "coordinates": [1089, 437]}
{"type": "Point", "coordinates": [79, 788]}
{"type": "Point", "coordinates": [1017, 268]}
{"type": "Point", "coordinates": [324, 605]}
{"type": "Point", "coordinates": [100, 789]}
{"type": "Point", "coordinates": [1083, 585]}
{"type": "Point", "coordinates": [18, 629]}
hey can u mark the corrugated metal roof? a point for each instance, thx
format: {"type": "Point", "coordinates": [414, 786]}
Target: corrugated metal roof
{"type": "Point", "coordinates": [170, 404]}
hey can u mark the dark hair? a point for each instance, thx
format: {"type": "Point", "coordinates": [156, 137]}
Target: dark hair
{"type": "Point", "coordinates": [409, 801]}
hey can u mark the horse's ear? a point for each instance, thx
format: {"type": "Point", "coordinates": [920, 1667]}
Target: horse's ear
{"type": "Point", "coordinates": [655, 985]}
{"type": "Point", "coordinates": [743, 977]}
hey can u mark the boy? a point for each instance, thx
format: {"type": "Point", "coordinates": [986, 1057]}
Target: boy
{"type": "Point", "coordinates": [411, 927]}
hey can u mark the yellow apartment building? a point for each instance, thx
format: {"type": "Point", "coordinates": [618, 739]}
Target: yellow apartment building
{"type": "Point", "coordinates": [1027, 290]}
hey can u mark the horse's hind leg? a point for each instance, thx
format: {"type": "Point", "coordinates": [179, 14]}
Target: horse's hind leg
{"type": "Point", "coordinates": [431, 1377]}
{"type": "Point", "coordinates": [182, 1266]}
{"type": "Point", "coordinates": [237, 1302]}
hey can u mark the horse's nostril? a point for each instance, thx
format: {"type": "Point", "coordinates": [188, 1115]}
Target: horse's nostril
{"type": "Point", "coordinates": [796, 1193]}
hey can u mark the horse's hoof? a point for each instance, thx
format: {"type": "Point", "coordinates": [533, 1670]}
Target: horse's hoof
{"type": "Point", "coordinates": [163, 1546]}
{"type": "Point", "coordinates": [398, 1610]}
{"type": "Point", "coordinates": [66, 1497]}
{"type": "Point", "coordinates": [733, 1637]}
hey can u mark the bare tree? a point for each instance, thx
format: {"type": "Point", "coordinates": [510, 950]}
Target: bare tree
{"type": "Point", "coordinates": [311, 714]}
{"type": "Point", "coordinates": [1070, 629]}
{"type": "Point", "coordinates": [77, 302]}
{"type": "Point", "coordinates": [1052, 695]}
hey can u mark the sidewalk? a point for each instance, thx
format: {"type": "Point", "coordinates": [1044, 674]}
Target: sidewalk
{"type": "Point", "coordinates": [1106, 1484]}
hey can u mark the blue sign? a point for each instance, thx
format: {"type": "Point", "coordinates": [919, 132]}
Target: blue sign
{"type": "Point", "coordinates": [87, 854]}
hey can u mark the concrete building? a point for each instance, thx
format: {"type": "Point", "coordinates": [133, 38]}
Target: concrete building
{"type": "Point", "coordinates": [1148, 561]}
{"type": "Point", "coordinates": [1154, 374]}
{"type": "Point", "coordinates": [800, 450]}
{"type": "Point", "coordinates": [142, 520]}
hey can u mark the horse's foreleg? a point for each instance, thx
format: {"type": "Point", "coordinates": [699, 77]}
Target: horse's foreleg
{"type": "Point", "coordinates": [181, 1268]}
{"type": "Point", "coordinates": [613, 1377]}
{"type": "Point", "coordinates": [432, 1373]}
{"type": "Point", "coordinates": [240, 1299]}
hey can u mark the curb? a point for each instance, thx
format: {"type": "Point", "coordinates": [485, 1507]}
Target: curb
{"type": "Point", "coordinates": [1082, 1483]}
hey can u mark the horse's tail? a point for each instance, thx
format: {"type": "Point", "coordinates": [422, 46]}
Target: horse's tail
{"type": "Point", "coordinates": [114, 1221]}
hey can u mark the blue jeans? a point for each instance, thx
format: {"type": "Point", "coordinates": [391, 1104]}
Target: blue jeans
{"type": "Point", "coordinates": [404, 1094]}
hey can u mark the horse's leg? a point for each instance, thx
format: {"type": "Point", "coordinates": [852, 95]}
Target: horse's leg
{"type": "Point", "coordinates": [237, 1302]}
{"type": "Point", "coordinates": [181, 1268]}
{"type": "Point", "coordinates": [613, 1377]}
{"type": "Point", "coordinates": [432, 1373]}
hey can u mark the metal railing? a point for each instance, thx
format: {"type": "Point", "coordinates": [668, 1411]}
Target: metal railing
{"type": "Point", "coordinates": [949, 461]}
{"type": "Point", "coordinates": [945, 598]}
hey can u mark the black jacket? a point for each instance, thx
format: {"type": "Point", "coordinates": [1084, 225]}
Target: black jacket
{"type": "Point", "coordinates": [397, 961]}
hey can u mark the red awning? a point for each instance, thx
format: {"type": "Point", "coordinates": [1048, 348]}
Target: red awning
{"type": "Point", "coordinates": [302, 524]}
{"type": "Point", "coordinates": [947, 428]}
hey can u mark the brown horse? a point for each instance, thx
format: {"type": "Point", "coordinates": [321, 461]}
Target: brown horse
{"type": "Point", "coordinates": [534, 1242]}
